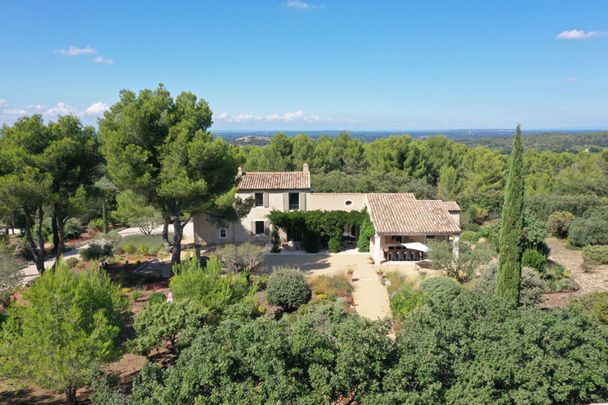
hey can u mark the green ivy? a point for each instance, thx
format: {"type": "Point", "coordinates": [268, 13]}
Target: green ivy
{"type": "Point", "coordinates": [319, 226]}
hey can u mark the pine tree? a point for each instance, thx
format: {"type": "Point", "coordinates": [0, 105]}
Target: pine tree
{"type": "Point", "coordinates": [511, 232]}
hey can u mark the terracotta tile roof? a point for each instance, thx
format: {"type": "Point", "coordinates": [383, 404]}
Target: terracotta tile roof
{"type": "Point", "coordinates": [274, 181]}
{"type": "Point", "coordinates": [402, 214]}
{"type": "Point", "coordinates": [451, 205]}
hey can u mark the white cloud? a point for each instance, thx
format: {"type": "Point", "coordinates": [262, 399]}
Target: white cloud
{"type": "Point", "coordinates": [580, 34]}
{"type": "Point", "coordinates": [76, 51]}
{"type": "Point", "coordinates": [302, 5]}
{"type": "Point", "coordinates": [96, 109]}
{"type": "Point", "coordinates": [295, 116]}
{"type": "Point", "coordinates": [3, 102]}
{"type": "Point", "coordinates": [60, 109]}
{"type": "Point", "coordinates": [104, 60]}
{"type": "Point", "coordinates": [572, 79]}
{"type": "Point", "coordinates": [87, 50]}
{"type": "Point", "coordinates": [15, 112]}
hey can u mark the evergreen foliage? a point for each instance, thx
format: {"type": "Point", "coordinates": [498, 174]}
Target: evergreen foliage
{"type": "Point", "coordinates": [319, 226]}
{"type": "Point", "coordinates": [67, 324]}
{"type": "Point", "coordinates": [512, 223]}
{"type": "Point", "coordinates": [160, 148]}
{"type": "Point", "coordinates": [207, 288]}
{"type": "Point", "coordinates": [288, 289]}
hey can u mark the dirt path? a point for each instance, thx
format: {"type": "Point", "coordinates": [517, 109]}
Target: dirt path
{"type": "Point", "coordinates": [369, 295]}
{"type": "Point", "coordinates": [595, 279]}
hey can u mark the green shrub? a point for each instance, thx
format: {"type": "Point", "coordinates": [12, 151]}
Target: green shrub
{"type": "Point", "coordinates": [533, 258]}
{"type": "Point", "coordinates": [481, 350]}
{"type": "Point", "coordinates": [592, 229]}
{"type": "Point", "coordinates": [72, 228]}
{"type": "Point", "coordinates": [96, 251]}
{"type": "Point", "coordinates": [558, 223]}
{"type": "Point", "coordinates": [156, 297]}
{"type": "Point", "coordinates": [469, 236]}
{"type": "Point", "coordinates": [440, 288]}
{"type": "Point", "coordinates": [595, 254]}
{"type": "Point", "coordinates": [334, 245]}
{"type": "Point", "coordinates": [128, 248]}
{"type": "Point", "coordinates": [67, 323]}
{"type": "Point", "coordinates": [96, 224]}
{"type": "Point", "coordinates": [105, 390]}
{"type": "Point", "coordinates": [161, 321]}
{"type": "Point", "coordinates": [564, 284]}
{"type": "Point", "coordinates": [405, 300]}
{"type": "Point", "coordinates": [476, 214]}
{"type": "Point", "coordinates": [142, 249]}
{"type": "Point", "coordinates": [365, 233]}
{"type": "Point", "coordinates": [473, 227]}
{"type": "Point", "coordinates": [288, 289]}
{"type": "Point", "coordinates": [10, 277]}
{"type": "Point", "coordinates": [242, 258]}
{"type": "Point", "coordinates": [596, 304]}
{"type": "Point", "coordinates": [532, 286]}
{"type": "Point", "coordinates": [207, 288]}
{"type": "Point", "coordinates": [276, 240]}
{"type": "Point", "coordinates": [71, 262]}
{"type": "Point", "coordinates": [136, 295]}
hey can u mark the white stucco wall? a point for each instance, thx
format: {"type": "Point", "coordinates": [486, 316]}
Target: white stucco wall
{"type": "Point", "coordinates": [208, 232]}
{"type": "Point", "coordinates": [335, 201]}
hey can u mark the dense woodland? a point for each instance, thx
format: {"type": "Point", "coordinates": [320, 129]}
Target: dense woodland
{"type": "Point", "coordinates": [236, 332]}
{"type": "Point", "coordinates": [441, 168]}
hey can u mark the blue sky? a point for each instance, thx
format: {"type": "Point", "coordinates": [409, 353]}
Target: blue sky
{"type": "Point", "coordinates": [322, 64]}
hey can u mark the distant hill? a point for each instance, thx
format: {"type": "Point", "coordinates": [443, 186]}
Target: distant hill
{"type": "Point", "coordinates": [500, 139]}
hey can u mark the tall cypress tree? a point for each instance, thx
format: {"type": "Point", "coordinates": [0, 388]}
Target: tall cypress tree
{"type": "Point", "coordinates": [511, 231]}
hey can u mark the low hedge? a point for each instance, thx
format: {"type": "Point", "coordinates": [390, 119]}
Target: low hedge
{"type": "Point", "coordinates": [597, 254]}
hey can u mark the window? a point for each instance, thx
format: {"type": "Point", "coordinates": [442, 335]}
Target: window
{"type": "Point", "coordinates": [294, 201]}
{"type": "Point", "coordinates": [223, 233]}
{"type": "Point", "coordinates": [259, 227]}
{"type": "Point", "coordinates": [259, 199]}
{"type": "Point", "coordinates": [397, 238]}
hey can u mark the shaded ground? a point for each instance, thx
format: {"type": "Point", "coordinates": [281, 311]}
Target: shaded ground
{"type": "Point", "coordinates": [591, 280]}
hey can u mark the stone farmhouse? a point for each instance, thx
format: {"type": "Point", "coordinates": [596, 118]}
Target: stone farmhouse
{"type": "Point", "coordinates": [403, 224]}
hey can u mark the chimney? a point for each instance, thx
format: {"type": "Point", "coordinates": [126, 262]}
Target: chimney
{"type": "Point", "coordinates": [305, 168]}
{"type": "Point", "coordinates": [240, 172]}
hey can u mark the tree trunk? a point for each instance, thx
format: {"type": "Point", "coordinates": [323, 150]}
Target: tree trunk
{"type": "Point", "coordinates": [70, 395]}
{"type": "Point", "coordinates": [165, 234]}
{"type": "Point", "coordinates": [55, 231]}
{"type": "Point", "coordinates": [177, 240]}
{"type": "Point", "coordinates": [41, 250]}
{"type": "Point", "coordinates": [37, 251]}
{"type": "Point", "coordinates": [60, 223]}
{"type": "Point", "coordinates": [104, 215]}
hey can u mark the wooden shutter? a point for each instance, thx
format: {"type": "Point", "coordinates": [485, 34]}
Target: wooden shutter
{"type": "Point", "coordinates": [265, 198]}
{"type": "Point", "coordinates": [285, 201]}
{"type": "Point", "coordinates": [266, 227]}
{"type": "Point", "coordinates": [302, 201]}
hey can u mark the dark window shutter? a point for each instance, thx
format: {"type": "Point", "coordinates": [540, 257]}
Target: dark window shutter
{"type": "Point", "coordinates": [302, 202]}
